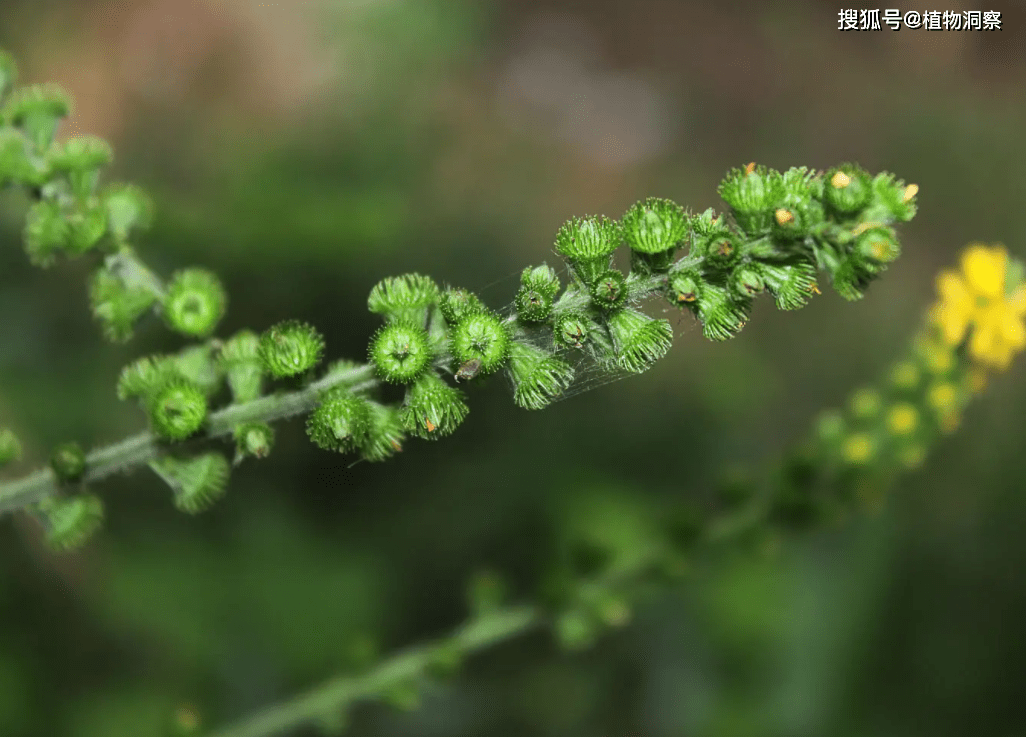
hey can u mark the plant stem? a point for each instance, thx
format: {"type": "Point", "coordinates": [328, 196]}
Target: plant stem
{"type": "Point", "coordinates": [145, 446]}
{"type": "Point", "coordinates": [329, 698]}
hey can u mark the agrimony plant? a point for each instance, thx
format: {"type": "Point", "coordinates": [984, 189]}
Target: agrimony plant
{"type": "Point", "coordinates": [782, 229]}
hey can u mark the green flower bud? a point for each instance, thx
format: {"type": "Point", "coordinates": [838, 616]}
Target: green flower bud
{"type": "Point", "coordinates": [609, 291]}
{"type": "Point", "coordinates": [482, 337]}
{"type": "Point", "coordinates": [722, 315]}
{"type": "Point", "coordinates": [432, 409]}
{"type": "Point", "coordinates": [177, 409]}
{"type": "Point", "coordinates": [639, 340]}
{"type": "Point", "coordinates": [341, 422]}
{"type": "Point", "coordinates": [747, 281]}
{"type": "Point", "coordinates": [404, 297]}
{"type": "Point", "coordinates": [196, 483]}
{"type": "Point", "coordinates": [850, 277]}
{"type": "Point", "coordinates": [848, 189]}
{"type": "Point", "coordinates": [240, 361]}
{"type": "Point", "coordinates": [532, 305]}
{"type": "Point", "coordinates": [128, 209]}
{"type": "Point", "coordinates": [37, 109]}
{"type": "Point", "coordinates": [195, 302]}
{"type": "Point", "coordinates": [116, 304]}
{"type": "Point", "coordinates": [751, 193]}
{"type": "Point", "coordinates": [253, 440]}
{"type": "Point", "coordinates": [144, 376]}
{"type": "Point", "coordinates": [685, 285]}
{"type": "Point", "coordinates": [86, 226]}
{"type": "Point", "coordinates": [400, 352]}
{"type": "Point", "coordinates": [539, 378]}
{"type": "Point", "coordinates": [385, 435]}
{"type": "Point", "coordinates": [456, 304]}
{"type": "Point", "coordinates": [723, 250]}
{"type": "Point", "coordinates": [10, 446]}
{"type": "Point", "coordinates": [80, 159]}
{"type": "Point", "coordinates": [198, 365]}
{"type": "Point", "coordinates": [571, 330]}
{"type": "Point", "coordinates": [15, 164]}
{"type": "Point", "coordinates": [798, 210]}
{"type": "Point", "coordinates": [69, 522]}
{"type": "Point", "coordinates": [893, 200]}
{"type": "Point", "coordinates": [791, 286]}
{"type": "Point", "coordinates": [8, 75]}
{"type": "Point", "coordinates": [46, 232]}
{"type": "Point", "coordinates": [290, 348]}
{"type": "Point", "coordinates": [877, 245]}
{"type": "Point", "coordinates": [588, 238]}
{"type": "Point", "coordinates": [68, 461]}
{"type": "Point", "coordinates": [541, 279]}
{"type": "Point", "coordinates": [80, 152]}
{"type": "Point", "coordinates": [655, 225]}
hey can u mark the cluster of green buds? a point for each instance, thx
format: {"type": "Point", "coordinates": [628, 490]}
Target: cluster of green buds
{"type": "Point", "coordinates": [782, 229]}
{"type": "Point", "coordinates": [71, 215]}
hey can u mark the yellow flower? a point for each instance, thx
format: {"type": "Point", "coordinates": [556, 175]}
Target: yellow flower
{"type": "Point", "coordinates": [976, 299]}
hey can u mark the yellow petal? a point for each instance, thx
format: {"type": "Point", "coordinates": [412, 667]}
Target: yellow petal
{"type": "Point", "coordinates": [983, 343]}
{"type": "Point", "coordinates": [984, 269]}
{"type": "Point", "coordinates": [952, 289]}
{"type": "Point", "coordinates": [953, 322]}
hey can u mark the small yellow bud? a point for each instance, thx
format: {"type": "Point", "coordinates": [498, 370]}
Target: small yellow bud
{"type": "Point", "coordinates": [750, 168]}
{"type": "Point", "coordinates": [910, 191]}
{"type": "Point", "coordinates": [840, 180]}
{"type": "Point", "coordinates": [902, 419]}
{"type": "Point", "coordinates": [783, 216]}
{"type": "Point", "coordinates": [858, 448]}
{"type": "Point", "coordinates": [942, 397]}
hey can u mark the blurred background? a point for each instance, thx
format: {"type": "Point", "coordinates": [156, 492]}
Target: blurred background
{"type": "Point", "coordinates": [305, 150]}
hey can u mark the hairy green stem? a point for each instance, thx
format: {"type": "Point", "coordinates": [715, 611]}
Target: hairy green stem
{"type": "Point", "coordinates": [138, 449]}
